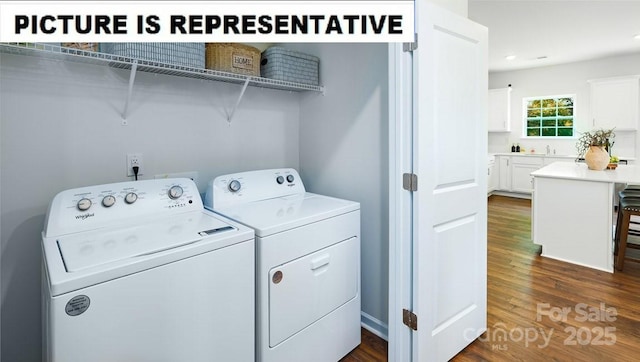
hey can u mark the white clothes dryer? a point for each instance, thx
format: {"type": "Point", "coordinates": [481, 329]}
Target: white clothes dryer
{"type": "Point", "coordinates": [139, 271]}
{"type": "Point", "coordinates": [308, 263]}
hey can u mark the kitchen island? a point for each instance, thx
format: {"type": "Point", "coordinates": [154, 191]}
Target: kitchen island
{"type": "Point", "coordinates": [572, 212]}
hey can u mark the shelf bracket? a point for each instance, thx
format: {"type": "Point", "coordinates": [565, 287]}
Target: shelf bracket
{"type": "Point", "coordinates": [244, 88]}
{"type": "Point", "coordinates": [132, 79]}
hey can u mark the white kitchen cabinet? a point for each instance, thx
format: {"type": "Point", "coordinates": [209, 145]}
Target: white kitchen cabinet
{"type": "Point", "coordinates": [514, 172]}
{"type": "Point", "coordinates": [492, 176]}
{"type": "Point", "coordinates": [521, 168]}
{"type": "Point", "coordinates": [504, 170]}
{"type": "Point", "coordinates": [499, 110]}
{"type": "Point", "coordinates": [615, 103]}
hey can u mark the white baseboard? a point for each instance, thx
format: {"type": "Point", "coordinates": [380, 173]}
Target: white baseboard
{"type": "Point", "coordinates": [374, 325]}
{"type": "Point", "coordinates": [511, 194]}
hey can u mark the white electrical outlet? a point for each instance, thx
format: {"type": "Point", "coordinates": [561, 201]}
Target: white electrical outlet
{"type": "Point", "coordinates": [134, 159]}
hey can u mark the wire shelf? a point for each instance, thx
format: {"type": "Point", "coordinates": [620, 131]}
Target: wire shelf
{"type": "Point", "coordinates": [57, 52]}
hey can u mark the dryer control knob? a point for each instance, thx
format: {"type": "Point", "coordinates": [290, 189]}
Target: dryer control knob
{"type": "Point", "coordinates": [108, 201]}
{"type": "Point", "coordinates": [130, 198]}
{"type": "Point", "coordinates": [84, 204]}
{"type": "Point", "coordinates": [280, 180]}
{"type": "Point", "coordinates": [290, 178]}
{"type": "Point", "coordinates": [277, 277]}
{"type": "Point", "coordinates": [175, 192]}
{"type": "Point", "coordinates": [234, 186]}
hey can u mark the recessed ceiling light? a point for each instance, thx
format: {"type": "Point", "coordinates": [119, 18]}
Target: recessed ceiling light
{"type": "Point", "coordinates": [510, 57]}
{"type": "Point", "coordinates": [637, 37]}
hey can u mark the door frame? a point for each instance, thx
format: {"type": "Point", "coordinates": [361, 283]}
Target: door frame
{"type": "Point", "coordinates": [400, 201]}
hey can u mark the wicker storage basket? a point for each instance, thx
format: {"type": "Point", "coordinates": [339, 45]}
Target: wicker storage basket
{"type": "Point", "coordinates": [288, 65]}
{"type": "Point", "coordinates": [233, 58]}
{"type": "Point", "coordinates": [187, 54]}
{"type": "Point", "coordinates": [92, 47]}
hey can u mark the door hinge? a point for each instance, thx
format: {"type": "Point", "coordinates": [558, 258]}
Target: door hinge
{"type": "Point", "coordinates": [409, 47]}
{"type": "Point", "coordinates": [410, 181]}
{"type": "Point", "coordinates": [410, 319]}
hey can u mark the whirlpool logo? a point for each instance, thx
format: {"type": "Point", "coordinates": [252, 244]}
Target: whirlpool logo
{"type": "Point", "coordinates": [85, 216]}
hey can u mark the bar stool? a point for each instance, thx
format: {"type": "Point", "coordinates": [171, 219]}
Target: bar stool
{"type": "Point", "coordinates": [629, 205]}
{"type": "Point", "coordinates": [626, 193]}
{"type": "Point", "coordinates": [632, 187]}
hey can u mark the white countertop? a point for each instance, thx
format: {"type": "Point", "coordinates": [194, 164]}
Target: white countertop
{"type": "Point", "coordinates": [529, 154]}
{"type": "Point", "coordinates": [579, 171]}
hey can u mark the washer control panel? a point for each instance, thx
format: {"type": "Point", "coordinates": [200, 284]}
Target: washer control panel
{"type": "Point", "coordinates": [252, 186]}
{"type": "Point", "coordinates": [97, 206]}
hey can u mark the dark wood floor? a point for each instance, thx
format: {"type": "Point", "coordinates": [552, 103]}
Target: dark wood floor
{"type": "Point", "coordinates": [585, 314]}
{"type": "Point", "coordinates": [372, 348]}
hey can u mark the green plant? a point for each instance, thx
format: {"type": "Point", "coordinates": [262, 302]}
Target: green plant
{"type": "Point", "coordinates": [600, 138]}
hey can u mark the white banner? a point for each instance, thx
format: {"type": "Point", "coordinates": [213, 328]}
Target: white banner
{"type": "Point", "coordinates": [207, 21]}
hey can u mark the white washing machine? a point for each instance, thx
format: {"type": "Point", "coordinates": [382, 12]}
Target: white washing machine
{"type": "Point", "coordinates": [139, 271]}
{"type": "Point", "coordinates": [308, 263]}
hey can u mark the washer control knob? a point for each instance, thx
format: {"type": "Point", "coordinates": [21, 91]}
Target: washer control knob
{"type": "Point", "coordinates": [290, 178]}
{"type": "Point", "coordinates": [280, 180]}
{"type": "Point", "coordinates": [84, 204]}
{"type": "Point", "coordinates": [234, 186]}
{"type": "Point", "coordinates": [108, 201]}
{"type": "Point", "coordinates": [130, 198]}
{"type": "Point", "coordinates": [175, 192]}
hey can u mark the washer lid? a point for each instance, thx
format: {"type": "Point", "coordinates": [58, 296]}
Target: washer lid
{"type": "Point", "coordinates": [272, 216]}
{"type": "Point", "coordinates": [90, 249]}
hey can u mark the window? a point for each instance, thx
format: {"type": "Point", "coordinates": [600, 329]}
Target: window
{"type": "Point", "coordinates": [550, 116]}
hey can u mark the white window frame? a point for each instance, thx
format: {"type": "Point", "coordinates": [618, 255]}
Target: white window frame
{"type": "Point", "coordinates": [525, 102]}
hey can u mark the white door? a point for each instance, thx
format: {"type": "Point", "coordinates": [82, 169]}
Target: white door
{"type": "Point", "coordinates": [450, 204]}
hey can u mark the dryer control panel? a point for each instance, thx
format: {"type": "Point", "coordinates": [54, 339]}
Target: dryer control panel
{"type": "Point", "coordinates": [244, 187]}
{"type": "Point", "coordinates": [93, 207]}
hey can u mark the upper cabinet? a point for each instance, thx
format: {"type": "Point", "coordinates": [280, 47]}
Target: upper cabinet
{"type": "Point", "coordinates": [499, 110]}
{"type": "Point", "coordinates": [615, 103]}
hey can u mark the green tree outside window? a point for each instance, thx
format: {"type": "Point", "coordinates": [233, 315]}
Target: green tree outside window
{"type": "Point", "coordinates": [550, 116]}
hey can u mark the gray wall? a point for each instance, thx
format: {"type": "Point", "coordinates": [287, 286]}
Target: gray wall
{"type": "Point", "coordinates": [460, 7]}
{"type": "Point", "coordinates": [344, 153]}
{"type": "Point", "coordinates": [60, 129]}
{"type": "Point", "coordinates": [562, 79]}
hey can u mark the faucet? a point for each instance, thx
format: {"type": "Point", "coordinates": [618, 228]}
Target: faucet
{"type": "Point", "coordinates": [548, 150]}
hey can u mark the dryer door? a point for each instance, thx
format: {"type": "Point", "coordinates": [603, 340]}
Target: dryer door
{"type": "Point", "coordinates": [306, 289]}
